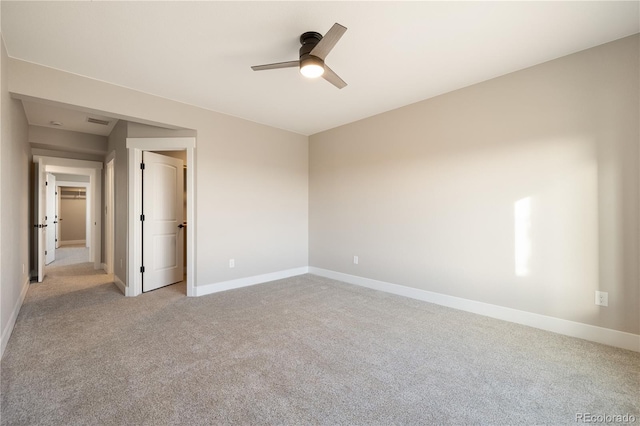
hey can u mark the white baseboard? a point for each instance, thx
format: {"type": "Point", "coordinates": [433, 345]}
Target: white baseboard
{"type": "Point", "coordinates": [120, 284]}
{"type": "Point", "coordinates": [201, 290]}
{"type": "Point", "coordinates": [593, 333]}
{"type": "Point", "coordinates": [8, 329]}
{"type": "Point", "coordinates": [72, 242]}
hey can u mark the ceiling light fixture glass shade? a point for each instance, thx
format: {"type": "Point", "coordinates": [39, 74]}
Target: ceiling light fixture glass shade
{"type": "Point", "coordinates": [311, 67]}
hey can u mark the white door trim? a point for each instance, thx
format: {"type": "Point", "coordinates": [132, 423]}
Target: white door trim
{"type": "Point", "coordinates": [109, 224]}
{"type": "Point", "coordinates": [88, 220]}
{"type": "Point", "coordinates": [40, 213]}
{"type": "Point", "coordinates": [52, 200]}
{"type": "Point", "coordinates": [94, 195]}
{"type": "Point", "coordinates": [135, 146]}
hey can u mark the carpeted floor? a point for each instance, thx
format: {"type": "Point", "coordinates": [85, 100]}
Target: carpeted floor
{"type": "Point", "coordinates": [304, 350]}
{"type": "Point", "coordinates": [70, 255]}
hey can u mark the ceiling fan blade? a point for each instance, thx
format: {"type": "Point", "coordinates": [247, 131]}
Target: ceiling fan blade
{"type": "Point", "coordinates": [333, 78]}
{"type": "Point", "coordinates": [289, 64]}
{"type": "Point", "coordinates": [327, 43]}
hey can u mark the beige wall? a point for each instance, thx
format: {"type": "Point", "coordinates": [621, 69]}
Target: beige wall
{"type": "Point", "coordinates": [437, 195]}
{"type": "Point", "coordinates": [14, 190]}
{"type": "Point", "coordinates": [139, 130]}
{"type": "Point", "coordinates": [73, 213]}
{"type": "Point", "coordinates": [65, 140]}
{"type": "Point", "coordinates": [67, 154]}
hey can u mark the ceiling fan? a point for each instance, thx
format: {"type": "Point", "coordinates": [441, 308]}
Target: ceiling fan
{"type": "Point", "coordinates": [313, 52]}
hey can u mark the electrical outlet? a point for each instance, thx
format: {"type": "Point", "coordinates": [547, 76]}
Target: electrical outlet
{"type": "Point", "coordinates": [602, 298]}
{"type": "Point", "coordinates": [232, 263]}
{"type": "Point", "coordinates": [355, 260]}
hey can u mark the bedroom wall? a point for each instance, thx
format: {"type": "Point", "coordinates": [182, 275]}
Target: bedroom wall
{"type": "Point", "coordinates": [14, 213]}
{"type": "Point", "coordinates": [251, 179]}
{"type": "Point", "coordinates": [521, 191]}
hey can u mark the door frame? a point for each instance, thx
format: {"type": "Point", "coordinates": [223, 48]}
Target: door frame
{"type": "Point", "coordinates": [135, 147]}
{"type": "Point", "coordinates": [109, 224]}
{"type": "Point", "coordinates": [87, 219]}
{"type": "Point", "coordinates": [39, 240]}
{"type": "Point", "coordinates": [52, 197]}
{"type": "Point", "coordinates": [93, 169]}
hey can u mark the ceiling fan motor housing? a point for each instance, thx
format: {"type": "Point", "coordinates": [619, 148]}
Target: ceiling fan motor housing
{"type": "Point", "coordinates": [309, 41]}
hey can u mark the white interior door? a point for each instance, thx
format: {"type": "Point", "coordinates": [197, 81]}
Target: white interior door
{"type": "Point", "coordinates": [162, 227]}
{"type": "Point", "coordinates": [57, 221]}
{"type": "Point", "coordinates": [109, 217]}
{"type": "Point", "coordinates": [50, 218]}
{"type": "Point", "coordinates": [40, 223]}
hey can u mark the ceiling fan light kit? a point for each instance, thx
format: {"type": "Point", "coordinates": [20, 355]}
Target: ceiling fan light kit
{"type": "Point", "coordinates": [313, 52]}
{"type": "Point", "coordinates": [311, 67]}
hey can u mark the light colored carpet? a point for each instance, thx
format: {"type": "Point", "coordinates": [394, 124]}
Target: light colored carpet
{"type": "Point", "coordinates": [304, 350]}
{"type": "Point", "coordinates": [70, 255]}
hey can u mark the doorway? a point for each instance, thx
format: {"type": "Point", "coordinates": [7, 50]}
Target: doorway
{"type": "Point", "coordinates": [163, 227]}
{"type": "Point", "coordinates": [136, 147]}
{"type": "Point", "coordinates": [74, 220]}
{"type": "Point", "coordinates": [54, 165]}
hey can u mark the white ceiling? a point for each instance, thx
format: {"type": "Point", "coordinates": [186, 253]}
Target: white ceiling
{"type": "Point", "coordinates": [393, 54]}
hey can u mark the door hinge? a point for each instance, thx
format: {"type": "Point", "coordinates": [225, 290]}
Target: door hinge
{"type": "Point", "coordinates": [45, 252]}
{"type": "Point", "coordinates": [142, 269]}
{"type": "Point", "coordinates": [46, 184]}
{"type": "Point", "coordinates": [141, 166]}
{"type": "Point", "coordinates": [141, 218]}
